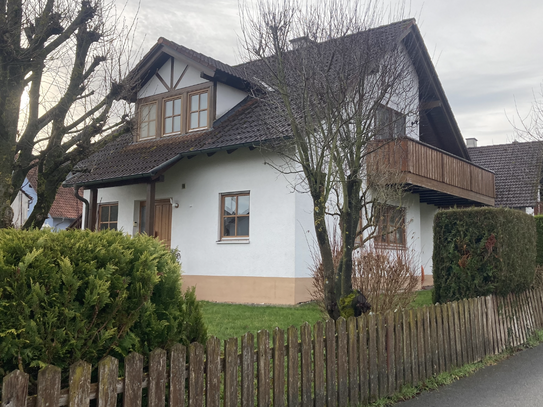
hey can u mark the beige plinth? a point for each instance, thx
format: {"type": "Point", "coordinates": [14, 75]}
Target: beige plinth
{"type": "Point", "coordinates": [253, 290]}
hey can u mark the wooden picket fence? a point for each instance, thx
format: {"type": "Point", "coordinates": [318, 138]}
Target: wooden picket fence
{"type": "Point", "coordinates": [346, 363]}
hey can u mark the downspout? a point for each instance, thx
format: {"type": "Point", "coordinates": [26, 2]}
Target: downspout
{"type": "Point", "coordinates": [86, 205]}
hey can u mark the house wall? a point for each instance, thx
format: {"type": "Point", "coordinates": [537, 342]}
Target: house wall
{"type": "Point", "coordinates": [269, 267]}
{"type": "Point", "coordinates": [227, 98]}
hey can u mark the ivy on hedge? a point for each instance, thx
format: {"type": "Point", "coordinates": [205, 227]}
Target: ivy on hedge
{"type": "Point", "coordinates": [82, 295]}
{"type": "Point", "coordinates": [482, 251]}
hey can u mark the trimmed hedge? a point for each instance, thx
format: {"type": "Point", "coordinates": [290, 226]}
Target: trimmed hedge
{"type": "Point", "coordinates": [77, 294]}
{"type": "Point", "coordinates": [482, 251]}
{"type": "Point", "coordinates": [539, 231]}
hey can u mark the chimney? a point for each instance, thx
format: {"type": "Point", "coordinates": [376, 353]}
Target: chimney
{"type": "Point", "coordinates": [471, 142]}
{"type": "Point", "coordinates": [300, 42]}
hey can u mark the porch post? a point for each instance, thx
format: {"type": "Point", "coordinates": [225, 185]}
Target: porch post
{"type": "Point", "coordinates": [150, 210]}
{"type": "Point", "coordinates": [93, 210]}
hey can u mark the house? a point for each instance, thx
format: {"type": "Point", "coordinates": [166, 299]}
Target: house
{"type": "Point", "coordinates": [66, 208]}
{"type": "Point", "coordinates": [517, 168]}
{"type": "Point", "coordinates": [243, 232]}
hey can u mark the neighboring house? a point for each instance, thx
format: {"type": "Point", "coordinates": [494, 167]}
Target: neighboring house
{"type": "Point", "coordinates": [66, 208]}
{"type": "Point", "coordinates": [243, 232]}
{"type": "Point", "coordinates": [517, 167]}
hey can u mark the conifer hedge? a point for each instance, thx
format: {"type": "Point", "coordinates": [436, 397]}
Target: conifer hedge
{"type": "Point", "coordinates": [539, 231]}
{"type": "Point", "coordinates": [76, 294]}
{"type": "Point", "coordinates": [482, 251]}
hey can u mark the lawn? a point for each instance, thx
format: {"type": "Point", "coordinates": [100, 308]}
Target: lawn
{"type": "Point", "coordinates": [233, 320]}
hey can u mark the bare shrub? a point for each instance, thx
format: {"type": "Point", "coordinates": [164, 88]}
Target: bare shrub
{"type": "Point", "coordinates": [388, 278]}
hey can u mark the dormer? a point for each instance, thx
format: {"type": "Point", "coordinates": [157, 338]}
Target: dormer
{"type": "Point", "coordinates": [179, 91]}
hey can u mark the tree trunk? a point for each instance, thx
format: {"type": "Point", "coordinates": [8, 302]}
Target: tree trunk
{"type": "Point", "coordinates": [6, 161]}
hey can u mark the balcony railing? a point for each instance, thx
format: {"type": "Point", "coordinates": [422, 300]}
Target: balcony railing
{"type": "Point", "coordinates": [429, 169]}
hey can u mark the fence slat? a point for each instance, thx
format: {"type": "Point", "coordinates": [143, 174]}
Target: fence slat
{"type": "Point", "coordinates": [305, 334]}
{"type": "Point", "coordinates": [407, 351]}
{"type": "Point", "coordinates": [331, 366]}
{"type": "Point", "coordinates": [318, 357]}
{"type": "Point", "coordinates": [196, 375]}
{"type": "Point", "coordinates": [382, 356]}
{"type": "Point", "coordinates": [457, 335]}
{"type": "Point", "coordinates": [463, 333]}
{"type": "Point", "coordinates": [499, 339]}
{"type": "Point", "coordinates": [247, 370]}
{"type": "Point", "coordinates": [363, 358]}
{"type": "Point", "coordinates": [231, 373]}
{"type": "Point", "coordinates": [446, 337]}
{"type": "Point", "coordinates": [474, 318]}
{"type": "Point", "coordinates": [278, 367]}
{"type": "Point", "coordinates": [490, 325]}
{"type": "Point", "coordinates": [178, 358]}
{"type": "Point", "coordinates": [484, 330]}
{"type": "Point", "coordinates": [353, 361]}
{"type": "Point", "coordinates": [80, 380]}
{"type": "Point", "coordinates": [157, 378]}
{"type": "Point", "coordinates": [263, 366]}
{"type": "Point", "coordinates": [342, 367]}
{"type": "Point", "coordinates": [48, 387]}
{"type": "Point", "coordinates": [133, 378]}
{"type": "Point", "coordinates": [440, 344]}
{"type": "Point", "coordinates": [420, 345]}
{"type": "Point", "coordinates": [373, 374]}
{"type": "Point", "coordinates": [108, 373]}
{"type": "Point", "coordinates": [15, 389]}
{"type": "Point", "coordinates": [390, 352]}
{"type": "Point", "coordinates": [398, 351]}
{"type": "Point", "coordinates": [432, 328]}
{"type": "Point", "coordinates": [470, 334]}
{"type": "Point", "coordinates": [292, 384]}
{"type": "Point", "coordinates": [213, 372]}
{"type": "Point", "coordinates": [414, 346]}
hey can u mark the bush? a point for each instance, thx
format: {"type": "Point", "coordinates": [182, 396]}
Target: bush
{"type": "Point", "coordinates": [83, 295]}
{"type": "Point", "coordinates": [482, 251]}
{"type": "Point", "coordinates": [539, 231]}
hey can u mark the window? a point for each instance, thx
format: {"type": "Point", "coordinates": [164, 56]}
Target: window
{"type": "Point", "coordinates": [234, 216]}
{"type": "Point", "coordinates": [172, 116]}
{"type": "Point", "coordinates": [148, 120]}
{"type": "Point", "coordinates": [389, 123]}
{"type": "Point", "coordinates": [390, 226]}
{"type": "Point", "coordinates": [107, 216]}
{"type": "Point", "coordinates": [198, 110]}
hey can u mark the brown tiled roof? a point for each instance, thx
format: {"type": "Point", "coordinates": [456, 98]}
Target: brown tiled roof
{"type": "Point", "coordinates": [517, 167]}
{"type": "Point", "coordinates": [66, 205]}
{"type": "Point", "coordinates": [123, 159]}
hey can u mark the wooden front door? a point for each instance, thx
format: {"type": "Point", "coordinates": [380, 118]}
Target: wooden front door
{"type": "Point", "coordinates": [163, 220]}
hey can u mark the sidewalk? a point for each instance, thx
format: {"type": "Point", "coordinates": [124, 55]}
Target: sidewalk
{"type": "Point", "coordinates": [515, 382]}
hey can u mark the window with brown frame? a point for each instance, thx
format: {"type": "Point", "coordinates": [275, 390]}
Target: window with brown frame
{"type": "Point", "coordinates": [390, 226]}
{"type": "Point", "coordinates": [108, 216]}
{"type": "Point", "coordinates": [389, 123]}
{"type": "Point", "coordinates": [235, 215]}
{"type": "Point", "coordinates": [172, 116]}
{"type": "Point", "coordinates": [148, 113]}
{"type": "Point", "coordinates": [198, 110]}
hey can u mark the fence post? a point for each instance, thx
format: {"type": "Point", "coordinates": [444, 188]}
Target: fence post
{"type": "Point", "coordinates": [305, 333]}
{"type": "Point", "coordinates": [331, 366]}
{"type": "Point", "coordinates": [390, 352]}
{"type": "Point", "coordinates": [342, 368]}
{"type": "Point", "coordinates": [278, 368]}
{"type": "Point", "coordinates": [196, 375]}
{"type": "Point", "coordinates": [292, 385]}
{"type": "Point", "coordinates": [48, 386]}
{"type": "Point", "coordinates": [133, 378]}
{"type": "Point", "coordinates": [178, 357]}
{"type": "Point", "coordinates": [247, 370]}
{"type": "Point", "coordinates": [231, 373]}
{"type": "Point", "coordinates": [80, 377]}
{"type": "Point", "coordinates": [108, 373]}
{"type": "Point", "coordinates": [363, 357]}
{"type": "Point", "coordinates": [213, 373]}
{"type": "Point", "coordinates": [157, 378]}
{"type": "Point", "coordinates": [15, 389]}
{"type": "Point", "coordinates": [318, 357]}
{"type": "Point", "coordinates": [263, 366]}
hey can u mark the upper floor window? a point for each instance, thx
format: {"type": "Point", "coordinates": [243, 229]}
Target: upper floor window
{"type": "Point", "coordinates": [148, 113]}
{"type": "Point", "coordinates": [389, 123]}
{"type": "Point", "coordinates": [390, 226]}
{"type": "Point", "coordinates": [235, 215]}
{"type": "Point", "coordinates": [198, 110]}
{"type": "Point", "coordinates": [172, 116]}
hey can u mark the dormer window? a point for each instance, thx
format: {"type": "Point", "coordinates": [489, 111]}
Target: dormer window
{"type": "Point", "coordinates": [389, 123]}
{"type": "Point", "coordinates": [198, 116]}
{"type": "Point", "coordinates": [172, 116]}
{"type": "Point", "coordinates": [148, 113]}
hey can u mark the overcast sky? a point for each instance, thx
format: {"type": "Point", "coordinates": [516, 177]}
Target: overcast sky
{"type": "Point", "coordinates": [488, 54]}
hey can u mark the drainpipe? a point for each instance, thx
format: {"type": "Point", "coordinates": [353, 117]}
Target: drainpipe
{"type": "Point", "coordinates": [86, 206]}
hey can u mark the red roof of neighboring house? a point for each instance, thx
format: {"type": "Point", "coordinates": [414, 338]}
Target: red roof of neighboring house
{"type": "Point", "coordinates": [66, 205]}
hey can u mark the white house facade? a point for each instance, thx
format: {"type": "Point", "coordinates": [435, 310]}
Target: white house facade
{"type": "Point", "coordinates": [244, 232]}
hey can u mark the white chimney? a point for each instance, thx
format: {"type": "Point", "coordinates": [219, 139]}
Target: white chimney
{"type": "Point", "coordinates": [471, 142]}
{"type": "Point", "coordinates": [300, 42]}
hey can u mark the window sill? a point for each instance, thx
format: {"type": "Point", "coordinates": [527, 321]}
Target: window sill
{"type": "Point", "coordinates": [233, 241]}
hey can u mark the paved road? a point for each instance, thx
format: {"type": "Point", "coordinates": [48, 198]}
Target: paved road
{"type": "Point", "coordinates": [515, 382]}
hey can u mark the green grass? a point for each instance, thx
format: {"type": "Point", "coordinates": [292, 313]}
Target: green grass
{"type": "Point", "coordinates": [233, 320]}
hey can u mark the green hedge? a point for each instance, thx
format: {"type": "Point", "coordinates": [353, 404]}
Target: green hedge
{"type": "Point", "coordinates": [82, 295]}
{"type": "Point", "coordinates": [482, 251]}
{"type": "Point", "coordinates": [539, 230]}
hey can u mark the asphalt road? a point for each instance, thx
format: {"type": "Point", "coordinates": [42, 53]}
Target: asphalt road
{"type": "Point", "coordinates": [515, 382]}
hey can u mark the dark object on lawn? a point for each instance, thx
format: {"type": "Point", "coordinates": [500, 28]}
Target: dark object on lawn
{"type": "Point", "coordinates": [360, 304]}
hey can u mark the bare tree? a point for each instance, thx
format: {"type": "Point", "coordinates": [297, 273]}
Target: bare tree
{"type": "Point", "coordinates": [530, 127]}
{"type": "Point", "coordinates": [61, 69]}
{"type": "Point", "coordinates": [332, 86]}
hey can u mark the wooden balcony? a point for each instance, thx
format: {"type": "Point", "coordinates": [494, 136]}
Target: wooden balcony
{"type": "Point", "coordinates": [439, 178]}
